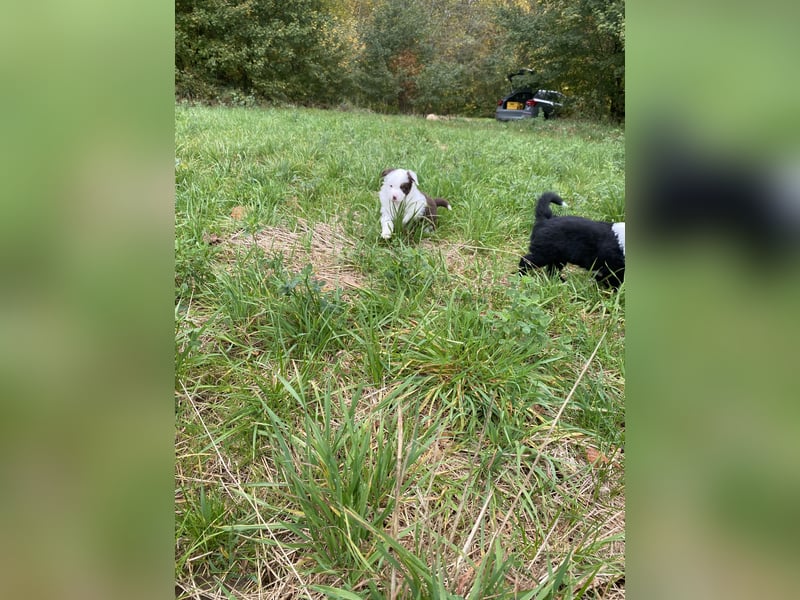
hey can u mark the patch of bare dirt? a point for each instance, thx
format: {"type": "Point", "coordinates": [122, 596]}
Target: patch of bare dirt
{"type": "Point", "coordinates": [322, 245]}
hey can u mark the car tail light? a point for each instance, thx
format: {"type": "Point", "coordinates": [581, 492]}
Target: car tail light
{"type": "Point", "coordinates": [530, 103]}
{"type": "Point", "coordinates": [500, 102]}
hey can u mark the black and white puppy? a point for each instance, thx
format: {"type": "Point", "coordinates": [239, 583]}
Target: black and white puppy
{"type": "Point", "coordinates": [555, 241]}
{"type": "Point", "coordinates": [399, 194]}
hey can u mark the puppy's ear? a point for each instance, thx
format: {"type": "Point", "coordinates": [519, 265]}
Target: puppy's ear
{"type": "Point", "coordinates": [385, 172]}
{"type": "Point", "coordinates": [413, 177]}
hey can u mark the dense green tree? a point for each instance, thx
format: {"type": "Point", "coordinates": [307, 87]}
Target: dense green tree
{"type": "Point", "coordinates": [466, 72]}
{"type": "Point", "coordinates": [395, 45]}
{"type": "Point", "coordinates": [274, 49]}
{"type": "Point", "coordinates": [442, 56]}
{"type": "Point", "coordinates": [574, 45]}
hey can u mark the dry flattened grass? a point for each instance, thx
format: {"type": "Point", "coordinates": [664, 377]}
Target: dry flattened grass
{"type": "Point", "coordinates": [323, 245]}
{"type": "Point", "coordinates": [466, 261]}
{"type": "Point", "coordinates": [592, 482]}
{"type": "Point", "coordinates": [326, 246]}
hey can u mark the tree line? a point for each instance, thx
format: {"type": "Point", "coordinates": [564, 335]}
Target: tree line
{"type": "Point", "coordinates": [400, 56]}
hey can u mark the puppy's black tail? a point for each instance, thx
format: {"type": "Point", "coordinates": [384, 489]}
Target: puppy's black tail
{"type": "Point", "coordinates": [442, 202]}
{"type": "Point", "coordinates": [543, 205]}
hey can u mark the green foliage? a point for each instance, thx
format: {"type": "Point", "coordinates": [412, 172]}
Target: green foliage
{"type": "Point", "coordinates": [466, 73]}
{"type": "Point", "coordinates": [399, 56]}
{"type": "Point", "coordinates": [286, 311]}
{"type": "Point", "coordinates": [396, 45]}
{"type": "Point", "coordinates": [411, 60]}
{"type": "Point", "coordinates": [480, 366]}
{"type": "Point", "coordinates": [281, 51]}
{"type": "Point", "coordinates": [202, 529]}
{"type": "Point", "coordinates": [577, 46]}
{"type": "Point", "coordinates": [344, 474]}
{"type": "Point", "coordinates": [192, 260]}
{"type": "Point", "coordinates": [336, 469]}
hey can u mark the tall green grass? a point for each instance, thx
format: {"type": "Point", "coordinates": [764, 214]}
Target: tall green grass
{"type": "Point", "coordinates": [430, 425]}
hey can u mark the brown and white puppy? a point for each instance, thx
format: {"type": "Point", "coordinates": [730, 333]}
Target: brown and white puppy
{"type": "Point", "coordinates": [399, 195]}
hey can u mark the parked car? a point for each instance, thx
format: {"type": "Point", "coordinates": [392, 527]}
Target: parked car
{"type": "Point", "coordinates": [527, 102]}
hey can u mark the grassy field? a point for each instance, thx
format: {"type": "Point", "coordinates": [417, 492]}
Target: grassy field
{"type": "Point", "coordinates": [357, 418]}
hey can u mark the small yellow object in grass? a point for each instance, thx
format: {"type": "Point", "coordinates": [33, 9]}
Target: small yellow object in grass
{"type": "Point", "coordinates": [238, 213]}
